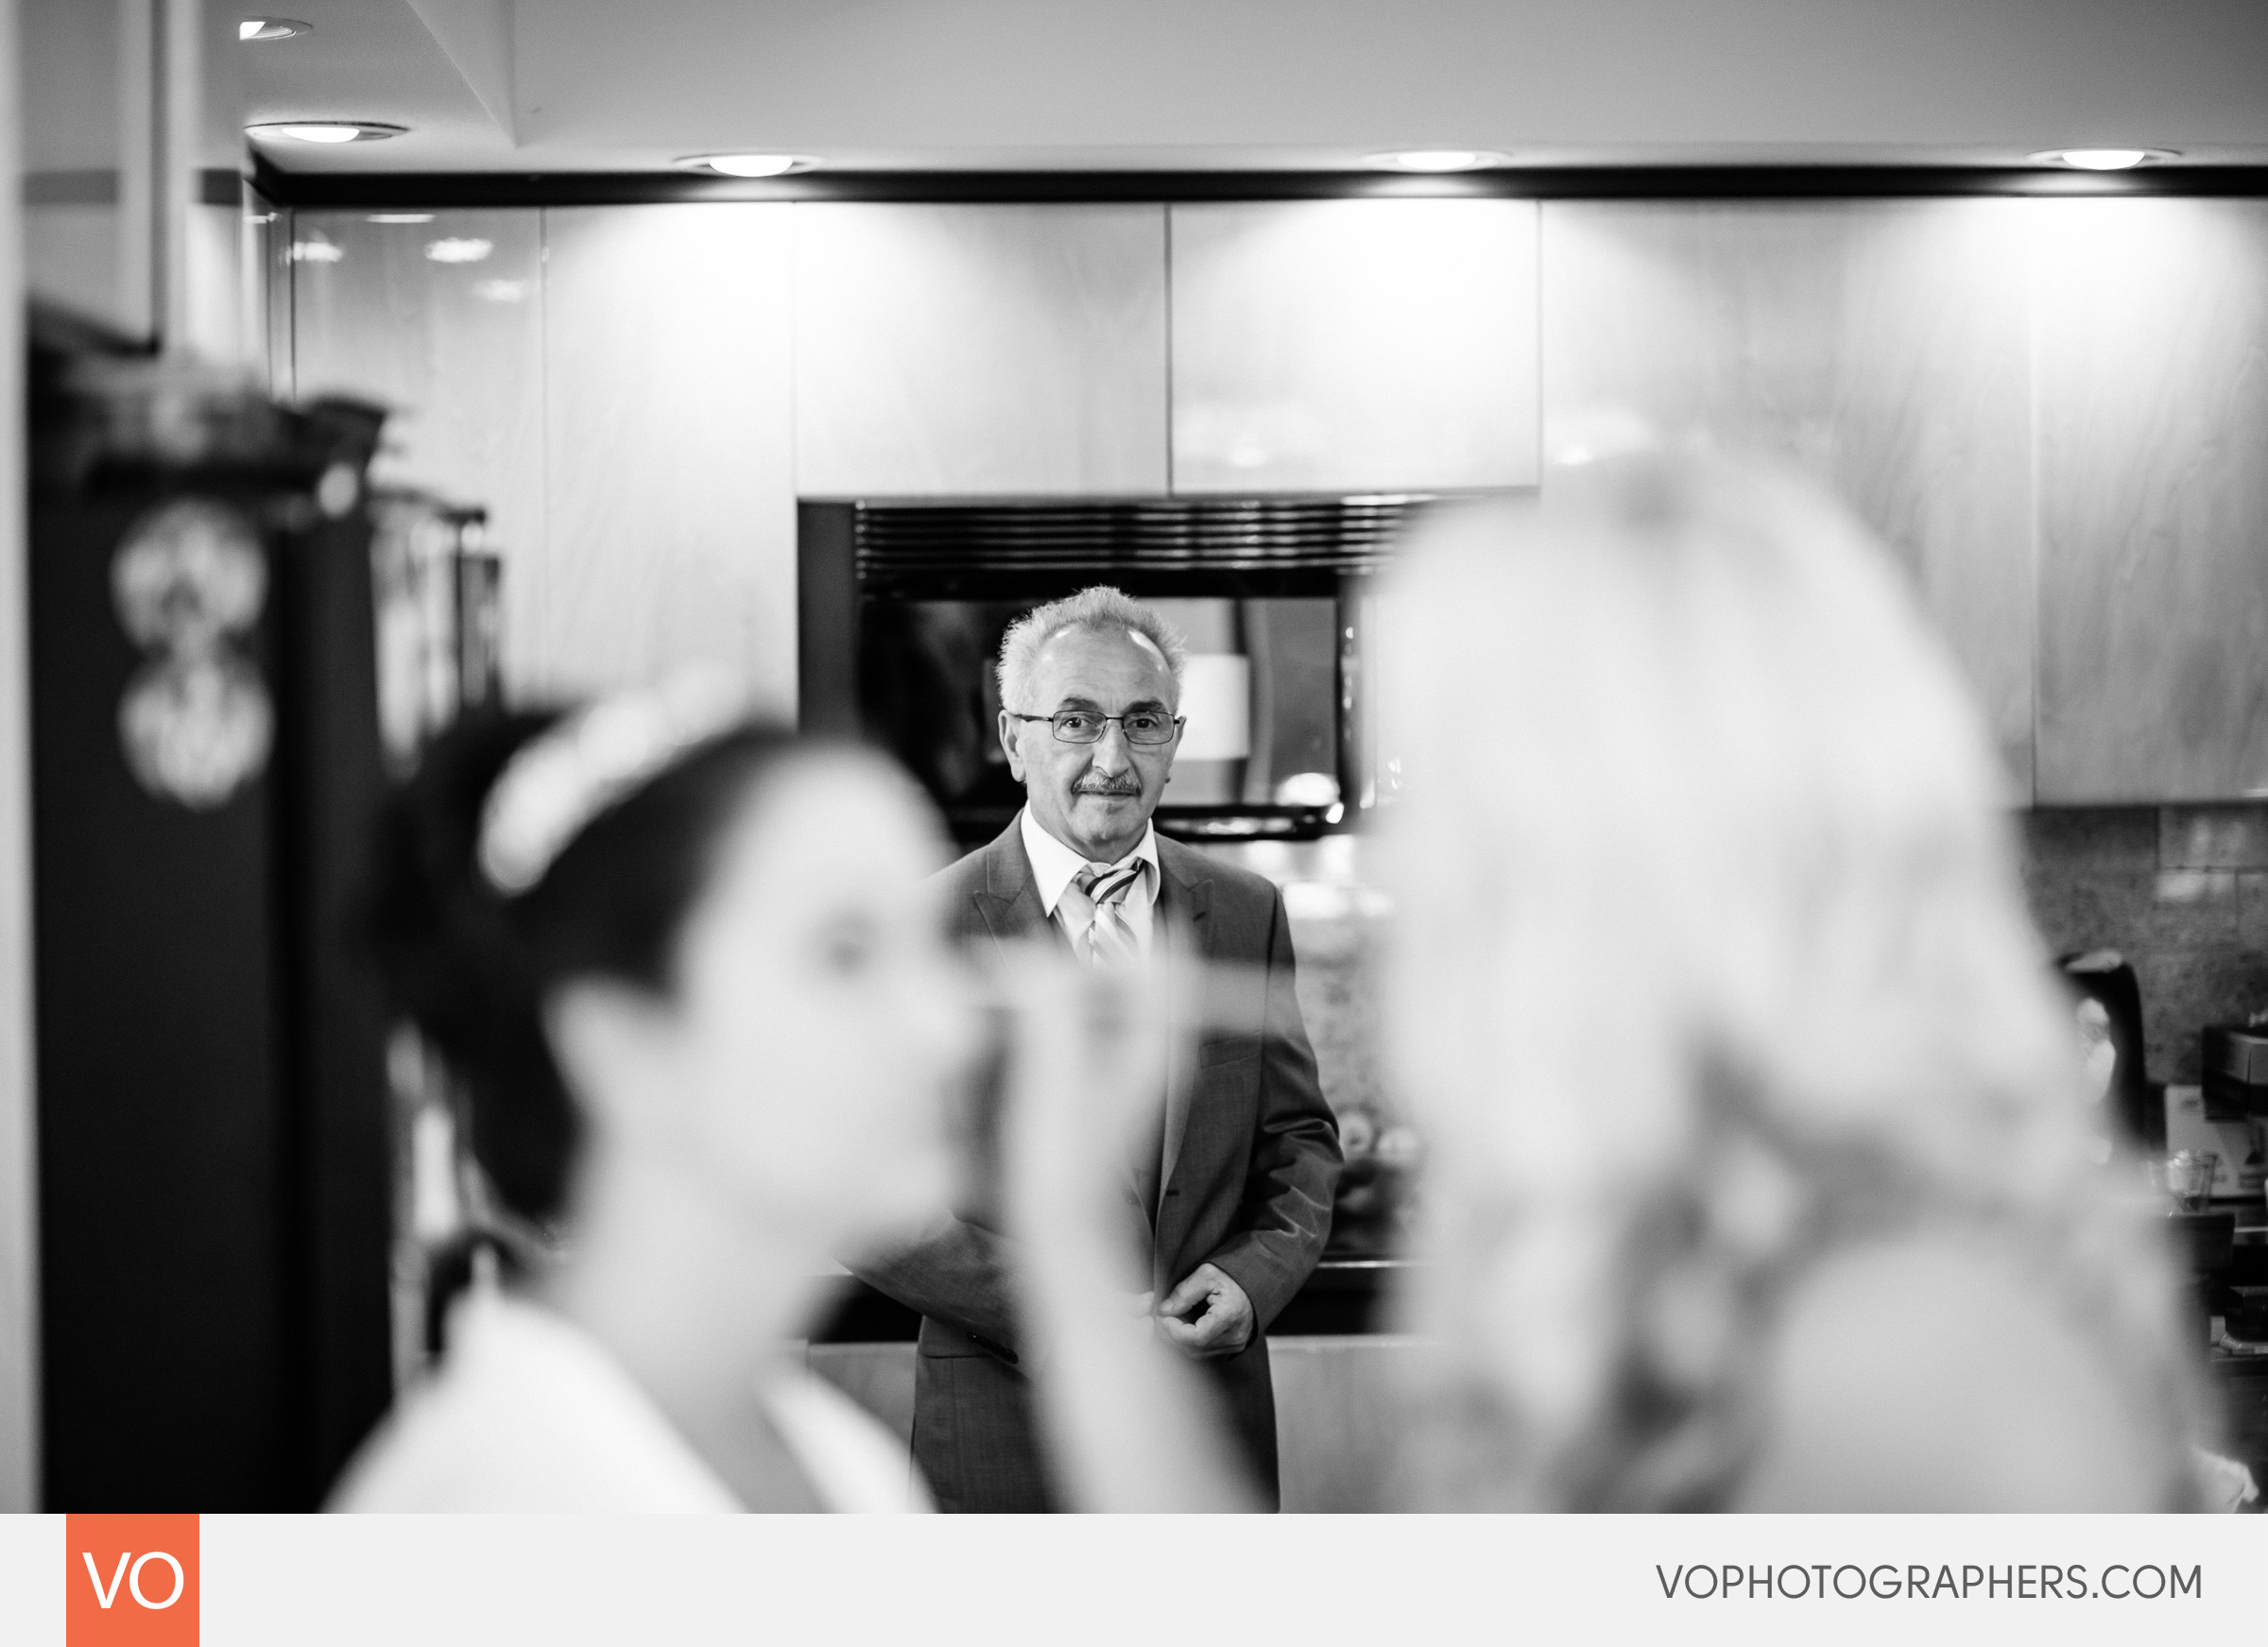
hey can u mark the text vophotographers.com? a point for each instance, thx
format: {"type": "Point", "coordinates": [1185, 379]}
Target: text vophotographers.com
{"type": "Point", "coordinates": [1919, 1581]}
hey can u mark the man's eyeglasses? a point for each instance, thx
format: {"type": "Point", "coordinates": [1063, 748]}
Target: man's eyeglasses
{"type": "Point", "coordinates": [1085, 726]}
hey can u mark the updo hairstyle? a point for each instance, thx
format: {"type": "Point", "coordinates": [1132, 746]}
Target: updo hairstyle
{"type": "Point", "coordinates": [470, 965]}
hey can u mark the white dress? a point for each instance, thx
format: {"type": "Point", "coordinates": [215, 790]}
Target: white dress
{"type": "Point", "coordinates": [528, 1414]}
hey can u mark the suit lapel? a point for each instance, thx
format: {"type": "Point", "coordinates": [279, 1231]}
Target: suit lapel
{"type": "Point", "coordinates": [1186, 937]}
{"type": "Point", "coordinates": [1008, 901]}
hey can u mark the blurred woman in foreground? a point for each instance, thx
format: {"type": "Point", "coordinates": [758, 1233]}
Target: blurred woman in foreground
{"type": "Point", "coordinates": [690, 977]}
{"type": "Point", "coordinates": [1759, 1173]}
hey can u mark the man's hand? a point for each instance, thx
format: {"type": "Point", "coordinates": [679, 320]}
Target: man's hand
{"type": "Point", "coordinates": [1207, 1315]}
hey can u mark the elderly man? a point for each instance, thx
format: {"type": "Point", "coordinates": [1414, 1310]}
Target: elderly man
{"type": "Point", "coordinates": [1237, 1188]}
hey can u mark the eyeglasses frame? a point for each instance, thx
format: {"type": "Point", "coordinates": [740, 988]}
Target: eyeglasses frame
{"type": "Point", "coordinates": [1178, 722]}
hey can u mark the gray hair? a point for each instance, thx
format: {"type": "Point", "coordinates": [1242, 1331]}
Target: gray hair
{"type": "Point", "coordinates": [1102, 608]}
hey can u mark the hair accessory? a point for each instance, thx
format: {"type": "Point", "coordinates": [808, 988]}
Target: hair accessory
{"type": "Point", "coordinates": [560, 782]}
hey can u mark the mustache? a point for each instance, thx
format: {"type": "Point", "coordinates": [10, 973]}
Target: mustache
{"type": "Point", "coordinates": [1126, 785]}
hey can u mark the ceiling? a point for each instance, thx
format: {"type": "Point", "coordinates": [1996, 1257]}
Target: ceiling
{"type": "Point", "coordinates": [596, 85]}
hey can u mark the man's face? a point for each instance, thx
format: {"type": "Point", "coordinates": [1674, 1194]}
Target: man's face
{"type": "Point", "coordinates": [1095, 798]}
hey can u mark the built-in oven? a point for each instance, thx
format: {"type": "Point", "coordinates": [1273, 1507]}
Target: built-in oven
{"type": "Point", "coordinates": [902, 607]}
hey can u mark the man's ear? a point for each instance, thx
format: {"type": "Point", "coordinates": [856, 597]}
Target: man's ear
{"type": "Point", "coordinates": [608, 1040]}
{"type": "Point", "coordinates": [1011, 745]}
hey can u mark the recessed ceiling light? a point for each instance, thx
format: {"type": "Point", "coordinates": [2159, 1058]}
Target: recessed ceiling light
{"type": "Point", "coordinates": [2103, 159]}
{"type": "Point", "coordinates": [1437, 159]}
{"type": "Point", "coordinates": [399, 217]}
{"type": "Point", "coordinates": [272, 28]}
{"type": "Point", "coordinates": [751, 165]}
{"type": "Point", "coordinates": [326, 130]}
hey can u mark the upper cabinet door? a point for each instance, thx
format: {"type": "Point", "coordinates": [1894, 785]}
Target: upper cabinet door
{"type": "Point", "coordinates": [1884, 346]}
{"type": "Point", "coordinates": [979, 350]}
{"type": "Point", "coordinates": [2153, 500]}
{"type": "Point", "coordinates": [438, 318]}
{"type": "Point", "coordinates": [1355, 346]}
{"type": "Point", "coordinates": [667, 420]}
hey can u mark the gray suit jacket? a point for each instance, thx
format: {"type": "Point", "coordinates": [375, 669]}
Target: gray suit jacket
{"type": "Point", "coordinates": [1250, 1157]}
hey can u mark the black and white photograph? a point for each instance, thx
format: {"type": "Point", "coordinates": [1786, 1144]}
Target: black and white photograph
{"type": "Point", "coordinates": [1016, 757]}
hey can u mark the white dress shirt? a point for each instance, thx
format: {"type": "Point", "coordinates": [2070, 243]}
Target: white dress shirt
{"type": "Point", "coordinates": [527, 1413]}
{"type": "Point", "coordinates": [1055, 865]}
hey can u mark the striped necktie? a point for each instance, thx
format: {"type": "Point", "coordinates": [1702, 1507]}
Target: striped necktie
{"type": "Point", "coordinates": [1101, 895]}
{"type": "Point", "coordinates": [1110, 939]}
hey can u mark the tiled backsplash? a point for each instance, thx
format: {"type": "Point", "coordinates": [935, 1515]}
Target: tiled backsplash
{"type": "Point", "coordinates": [2180, 891]}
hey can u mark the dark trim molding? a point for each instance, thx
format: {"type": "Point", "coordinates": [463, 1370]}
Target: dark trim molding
{"type": "Point", "coordinates": [216, 186]}
{"type": "Point", "coordinates": [441, 189]}
{"type": "Point", "coordinates": [826, 618]}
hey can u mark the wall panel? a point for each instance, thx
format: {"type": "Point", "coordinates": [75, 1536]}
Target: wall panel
{"type": "Point", "coordinates": [980, 350]}
{"type": "Point", "coordinates": [668, 437]}
{"type": "Point", "coordinates": [1354, 344]}
{"type": "Point", "coordinates": [1883, 346]}
{"type": "Point", "coordinates": [2154, 499]}
{"type": "Point", "coordinates": [440, 320]}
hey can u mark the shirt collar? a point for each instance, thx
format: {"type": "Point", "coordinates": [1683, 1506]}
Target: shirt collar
{"type": "Point", "coordinates": [1055, 865]}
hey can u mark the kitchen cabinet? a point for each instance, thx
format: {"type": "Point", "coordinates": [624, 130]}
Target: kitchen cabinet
{"type": "Point", "coordinates": [1344, 346]}
{"type": "Point", "coordinates": [615, 384]}
{"type": "Point", "coordinates": [439, 316]}
{"type": "Point", "coordinates": [2153, 391]}
{"type": "Point", "coordinates": [1343, 1432]}
{"type": "Point", "coordinates": [980, 350]}
{"type": "Point", "coordinates": [2242, 1387]}
{"type": "Point", "coordinates": [2054, 412]}
{"type": "Point", "coordinates": [668, 451]}
{"type": "Point", "coordinates": [1341, 1437]}
{"type": "Point", "coordinates": [1883, 346]}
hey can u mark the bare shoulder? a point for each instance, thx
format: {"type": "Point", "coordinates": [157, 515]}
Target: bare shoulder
{"type": "Point", "coordinates": [1925, 1374]}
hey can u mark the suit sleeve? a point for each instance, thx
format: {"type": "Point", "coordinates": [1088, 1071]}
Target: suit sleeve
{"type": "Point", "coordinates": [1285, 1217]}
{"type": "Point", "coordinates": [960, 1273]}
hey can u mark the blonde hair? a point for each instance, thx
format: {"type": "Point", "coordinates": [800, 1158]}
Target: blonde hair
{"type": "Point", "coordinates": [1100, 607]}
{"type": "Point", "coordinates": [1708, 908]}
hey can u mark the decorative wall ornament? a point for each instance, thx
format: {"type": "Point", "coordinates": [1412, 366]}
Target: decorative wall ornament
{"type": "Point", "coordinates": [196, 723]}
{"type": "Point", "coordinates": [196, 730]}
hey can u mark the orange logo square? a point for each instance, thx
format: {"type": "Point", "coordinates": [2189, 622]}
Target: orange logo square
{"type": "Point", "coordinates": [130, 1581]}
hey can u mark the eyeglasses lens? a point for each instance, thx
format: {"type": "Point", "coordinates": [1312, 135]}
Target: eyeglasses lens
{"type": "Point", "coordinates": [1075, 727]}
